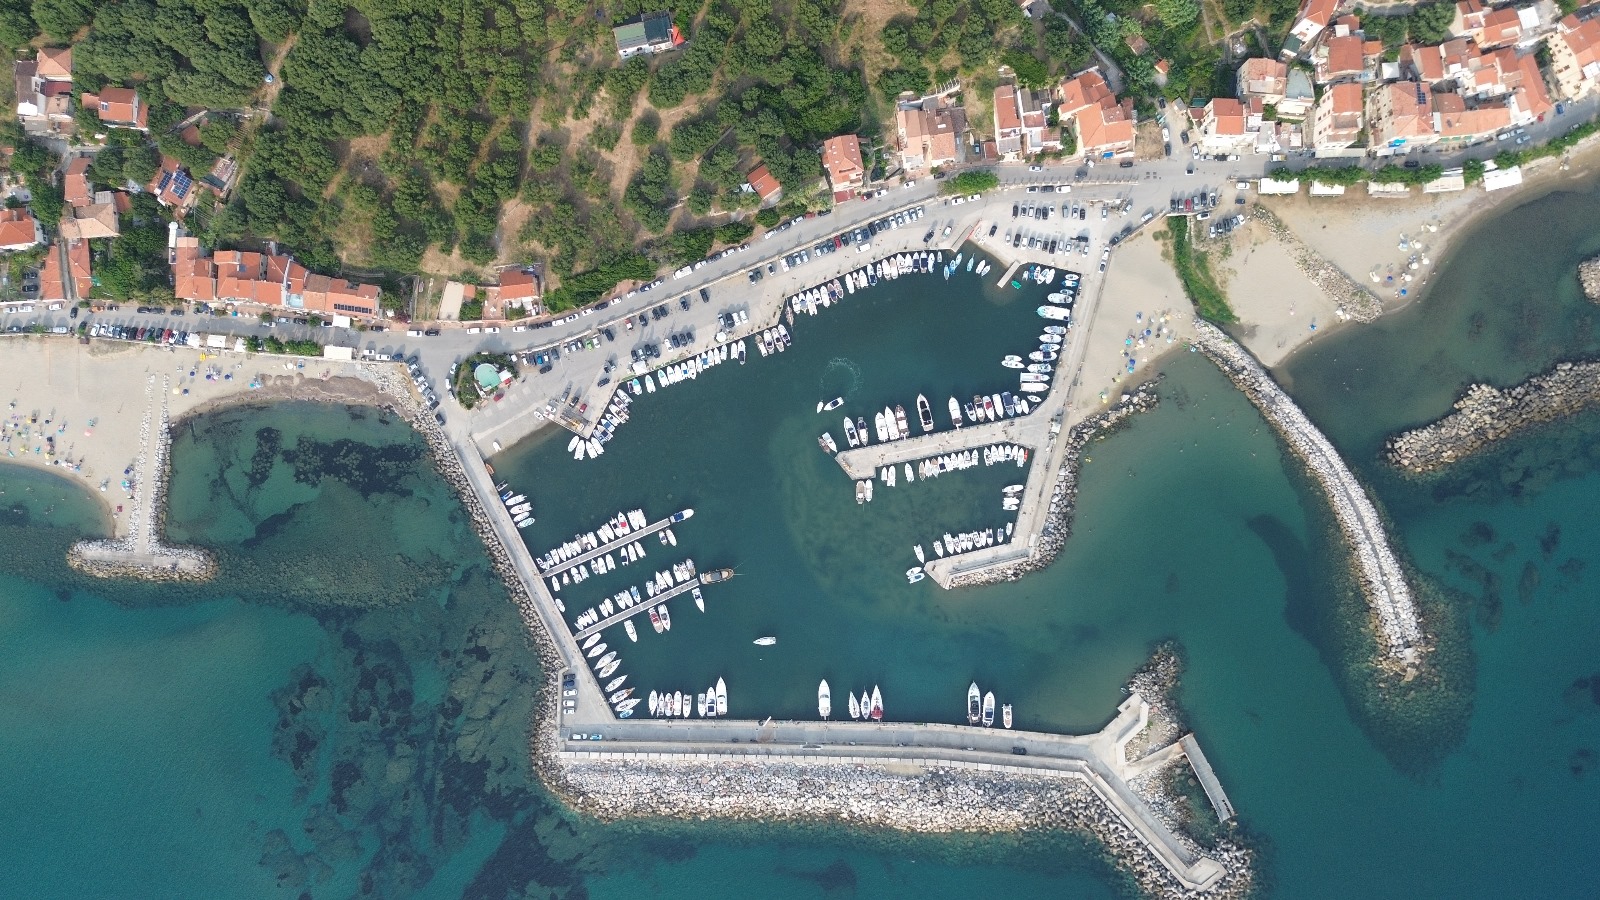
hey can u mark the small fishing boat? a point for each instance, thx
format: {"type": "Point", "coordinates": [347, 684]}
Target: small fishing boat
{"type": "Point", "coordinates": [1041, 368]}
{"type": "Point", "coordinates": [1055, 312]}
{"type": "Point", "coordinates": [828, 443]}
{"type": "Point", "coordinates": [877, 705]}
{"type": "Point", "coordinates": [1012, 362]}
{"type": "Point", "coordinates": [924, 413]}
{"type": "Point", "coordinates": [1054, 329]}
{"type": "Point", "coordinates": [824, 699]}
{"type": "Point", "coordinates": [633, 633]}
{"type": "Point", "coordinates": [764, 641]}
{"type": "Point", "coordinates": [1005, 715]}
{"type": "Point", "coordinates": [974, 700]}
{"type": "Point", "coordinates": [914, 574]}
{"type": "Point", "coordinates": [855, 706]}
{"type": "Point", "coordinates": [1057, 298]}
{"type": "Point", "coordinates": [988, 710]}
{"type": "Point", "coordinates": [722, 698]}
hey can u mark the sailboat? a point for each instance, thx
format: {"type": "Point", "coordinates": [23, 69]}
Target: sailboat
{"type": "Point", "coordinates": [988, 709]}
{"type": "Point", "coordinates": [855, 705]}
{"type": "Point", "coordinates": [824, 699]}
{"type": "Point", "coordinates": [974, 710]}
{"type": "Point", "coordinates": [877, 704]}
{"type": "Point", "coordinates": [590, 641]}
{"type": "Point", "coordinates": [1005, 715]}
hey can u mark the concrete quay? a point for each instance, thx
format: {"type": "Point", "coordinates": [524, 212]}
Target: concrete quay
{"type": "Point", "coordinates": [603, 549]}
{"type": "Point", "coordinates": [643, 606]}
{"type": "Point", "coordinates": [864, 462]}
{"type": "Point", "coordinates": [1208, 778]}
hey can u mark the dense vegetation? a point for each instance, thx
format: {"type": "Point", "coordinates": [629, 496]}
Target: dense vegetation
{"type": "Point", "coordinates": [1194, 270]}
{"type": "Point", "coordinates": [973, 182]}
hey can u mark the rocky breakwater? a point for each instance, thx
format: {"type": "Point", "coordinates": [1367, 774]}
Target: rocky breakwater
{"type": "Point", "coordinates": [141, 553]}
{"type": "Point", "coordinates": [1589, 278]}
{"type": "Point", "coordinates": [1486, 415]}
{"type": "Point", "coordinates": [1377, 569]}
{"type": "Point", "coordinates": [1355, 301]}
{"type": "Point", "coordinates": [1057, 525]}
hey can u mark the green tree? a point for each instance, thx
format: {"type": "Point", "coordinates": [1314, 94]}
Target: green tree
{"type": "Point", "coordinates": [1030, 71]}
{"type": "Point", "coordinates": [62, 19]}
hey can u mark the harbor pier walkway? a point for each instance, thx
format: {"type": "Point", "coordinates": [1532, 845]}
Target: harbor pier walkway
{"type": "Point", "coordinates": [643, 606]}
{"type": "Point", "coordinates": [605, 548]}
{"type": "Point", "coordinates": [864, 462]}
{"type": "Point", "coordinates": [1208, 778]}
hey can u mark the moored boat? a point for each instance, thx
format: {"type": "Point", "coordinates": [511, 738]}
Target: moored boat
{"type": "Point", "coordinates": [877, 705]}
{"type": "Point", "coordinates": [828, 442]}
{"type": "Point", "coordinates": [880, 427]}
{"type": "Point", "coordinates": [914, 574]}
{"type": "Point", "coordinates": [855, 705]}
{"type": "Point", "coordinates": [590, 641]}
{"type": "Point", "coordinates": [699, 600]}
{"type": "Point", "coordinates": [955, 413]}
{"type": "Point", "coordinates": [1055, 312]}
{"type": "Point", "coordinates": [861, 492]}
{"type": "Point", "coordinates": [655, 620]}
{"type": "Point", "coordinates": [974, 707]}
{"type": "Point", "coordinates": [666, 618]}
{"type": "Point", "coordinates": [924, 413]}
{"type": "Point", "coordinates": [900, 420]}
{"type": "Point", "coordinates": [824, 699]}
{"type": "Point", "coordinates": [633, 633]}
{"type": "Point", "coordinates": [722, 698]}
{"type": "Point", "coordinates": [988, 709]}
{"type": "Point", "coordinates": [596, 650]}
{"type": "Point", "coordinates": [850, 432]}
{"type": "Point", "coordinates": [1005, 715]}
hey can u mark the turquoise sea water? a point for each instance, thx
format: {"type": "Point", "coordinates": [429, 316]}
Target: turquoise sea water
{"type": "Point", "coordinates": [344, 713]}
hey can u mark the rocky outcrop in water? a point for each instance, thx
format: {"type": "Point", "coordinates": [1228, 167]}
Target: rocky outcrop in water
{"type": "Point", "coordinates": [1589, 278]}
{"type": "Point", "coordinates": [1377, 568]}
{"type": "Point", "coordinates": [1486, 415]}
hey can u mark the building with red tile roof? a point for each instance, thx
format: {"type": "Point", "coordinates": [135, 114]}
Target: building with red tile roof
{"type": "Point", "coordinates": [19, 230]}
{"type": "Point", "coordinates": [265, 279]}
{"type": "Point", "coordinates": [1575, 57]}
{"type": "Point", "coordinates": [1104, 127]}
{"type": "Point", "coordinates": [1264, 78]}
{"type": "Point", "coordinates": [75, 182]}
{"type": "Point", "coordinates": [1341, 58]}
{"type": "Point", "coordinates": [118, 107]}
{"type": "Point", "coordinates": [1314, 16]}
{"type": "Point", "coordinates": [97, 220]}
{"type": "Point", "coordinates": [1400, 115]}
{"type": "Point", "coordinates": [1337, 120]}
{"type": "Point", "coordinates": [765, 186]}
{"type": "Point", "coordinates": [1007, 123]}
{"type": "Point", "coordinates": [518, 288]}
{"type": "Point", "coordinates": [44, 87]}
{"type": "Point", "coordinates": [841, 159]}
{"type": "Point", "coordinates": [1222, 126]}
{"type": "Point", "coordinates": [928, 134]}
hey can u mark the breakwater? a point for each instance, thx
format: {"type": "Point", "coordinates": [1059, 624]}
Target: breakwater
{"type": "Point", "coordinates": [141, 553]}
{"type": "Point", "coordinates": [1589, 278]}
{"type": "Point", "coordinates": [1486, 415]}
{"type": "Point", "coordinates": [1043, 549]}
{"type": "Point", "coordinates": [1378, 570]}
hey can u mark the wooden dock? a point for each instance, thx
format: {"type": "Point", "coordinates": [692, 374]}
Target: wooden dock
{"type": "Point", "coordinates": [605, 548]}
{"type": "Point", "coordinates": [644, 605]}
{"type": "Point", "coordinates": [1208, 778]}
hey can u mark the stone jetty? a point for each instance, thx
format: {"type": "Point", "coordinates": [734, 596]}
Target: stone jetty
{"type": "Point", "coordinates": [1355, 301]}
{"type": "Point", "coordinates": [140, 553]}
{"type": "Point", "coordinates": [1057, 523]}
{"type": "Point", "coordinates": [1378, 571]}
{"type": "Point", "coordinates": [1486, 415]}
{"type": "Point", "coordinates": [1589, 278]}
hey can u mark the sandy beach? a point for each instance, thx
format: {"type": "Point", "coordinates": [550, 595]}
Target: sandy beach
{"type": "Point", "coordinates": [76, 409]}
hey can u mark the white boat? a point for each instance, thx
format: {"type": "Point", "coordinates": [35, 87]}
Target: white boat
{"type": "Point", "coordinates": [855, 706]}
{"type": "Point", "coordinates": [655, 703]}
{"type": "Point", "coordinates": [1005, 715]}
{"type": "Point", "coordinates": [828, 443]}
{"type": "Point", "coordinates": [700, 704]}
{"type": "Point", "coordinates": [672, 539]}
{"type": "Point", "coordinates": [924, 413]}
{"type": "Point", "coordinates": [666, 617]}
{"type": "Point", "coordinates": [876, 709]}
{"type": "Point", "coordinates": [764, 641]}
{"type": "Point", "coordinates": [833, 404]}
{"type": "Point", "coordinates": [850, 432]}
{"type": "Point", "coordinates": [608, 659]}
{"type": "Point", "coordinates": [918, 550]}
{"type": "Point", "coordinates": [1012, 363]}
{"type": "Point", "coordinates": [868, 484]}
{"type": "Point", "coordinates": [988, 709]}
{"type": "Point", "coordinates": [597, 650]}
{"type": "Point", "coordinates": [824, 699]}
{"type": "Point", "coordinates": [955, 413]}
{"type": "Point", "coordinates": [722, 698]}
{"type": "Point", "coordinates": [573, 444]}
{"type": "Point", "coordinates": [1055, 312]}
{"type": "Point", "coordinates": [590, 641]}
{"type": "Point", "coordinates": [914, 574]}
{"type": "Point", "coordinates": [909, 477]}
{"type": "Point", "coordinates": [699, 600]}
{"type": "Point", "coordinates": [861, 492]}
{"type": "Point", "coordinates": [633, 633]}
{"type": "Point", "coordinates": [974, 701]}
{"type": "Point", "coordinates": [616, 683]}
{"type": "Point", "coordinates": [620, 696]}
{"type": "Point", "coordinates": [880, 426]}
{"type": "Point", "coordinates": [1041, 368]}
{"type": "Point", "coordinates": [1054, 329]}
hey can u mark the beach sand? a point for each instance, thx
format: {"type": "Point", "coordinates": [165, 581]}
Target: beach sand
{"type": "Point", "coordinates": [1140, 287]}
{"type": "Point", "coordinates": [1275, 301]}
{"type": "Point", "coordinates": [89, 400]}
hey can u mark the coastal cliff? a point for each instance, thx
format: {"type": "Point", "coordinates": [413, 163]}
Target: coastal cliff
{"type": "Point", "coordinates": [1486, 415]}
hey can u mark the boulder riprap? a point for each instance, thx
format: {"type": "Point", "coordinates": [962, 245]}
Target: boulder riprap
{"type": "Point", "coordinates": [1589, 278]}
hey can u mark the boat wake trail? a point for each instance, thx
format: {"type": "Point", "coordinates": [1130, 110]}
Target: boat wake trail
{"type": "Point", "coordinates": [852, 371]}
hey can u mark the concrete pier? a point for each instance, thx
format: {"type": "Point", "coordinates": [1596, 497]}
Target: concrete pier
{"type": "Point", "coordinates": [605, 548]}
{"type": "Point", "coordinates": [864, 462]}
{"type": "Point", "coordinates": [1208, 778]}
{"type": "Point", "coordinates": [643, 606]}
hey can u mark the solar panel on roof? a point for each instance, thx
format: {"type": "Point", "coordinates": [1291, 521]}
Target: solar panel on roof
{"type": "Point", "coordinates": [181, 184]}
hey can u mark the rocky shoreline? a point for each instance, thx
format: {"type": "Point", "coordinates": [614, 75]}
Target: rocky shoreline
{"type": "Point", "coordinates": [1377, 569]}
{"type": "Point", "coordinates": [1589, 278]}
{"type": "Point", "coordinates": [1057, 525]}
{"type": "Point", "coordinates": [1486, 415]}
{"type": "Point", "coordinates": [1355, 301]}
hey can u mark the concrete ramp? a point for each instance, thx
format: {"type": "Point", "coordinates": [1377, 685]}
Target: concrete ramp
{"type": "Point", "coordinates": [1208, 778]}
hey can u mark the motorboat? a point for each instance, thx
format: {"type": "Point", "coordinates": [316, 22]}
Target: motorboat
{"type": "Point", "coordinates": [711, 697]}
{"type": "Point", "coordinates": [700, 703]}
{"type": "Point", "coordinates": [921, 558]}
{"type": "Point", "coordinates": [974, 709]}
{"type": "Point", "coordinates": [900, 420]}
{"type": "Point", "coordinates": [633, 633]}
{"type": "Point", "coordinates": [764, 641]}
{"type": "Point", "coordinates": [655, 703]}
{"type": "Point", "coordinates": [699, 600]}
{"type": "Point", "coordinates": [828, 442]}
{"type": "Point", "coordinates": [1057, 297]}
{"type": "Point", "coordinates": [868, 483]}
{"type": "Point", "coordinates": [861, 492]}
{"type": "Point", "coordinates": [1055, 312]}
{"type": "Point", "coordinates": [1005, 715]}
{"type": "Point", "coordinates": [680, 516]}
{"type": "Point", "coordinates": [850, 432]}
{"type": "Point", "coordinates": [880, 426]}
{"type": "Point", "coordinates": [1041, 368]}
{"type": "Point", "coordinates": [715, 575]}
{"type": "Point", "coordinates": [666, 618]}
{"type": "Point", "coordinates": [1012, 362]}
{"type": "Point", "coordinates": [831, 405]}
{"type": "Point", "coordinates": [924, 413]}
{"type": "Point", "coordinates": [1054, 329]}
{"type": "Point", "coordinates": [988, 710]}
{"type": "Point", "coordinates": [824, 699]}
{"type": "Point", "coordinates": [1043, 356]}
{"type": "Point", "coordinates": [915, 574]}
{"type": "Point", "coordinates": [1048, 338]}
{"type": "Point", "coordinates": [955, 413]}
{"type": "Point", "coordinates": [1012, 489]}
{"type": "Point", "coordinates": [722, 698]}
{"type": "Point", "coordinates": [655, 620]}
{"type": "Point", "coordinates": [877, 704]}
{"type": "Point", "coordinates": [855, 705]}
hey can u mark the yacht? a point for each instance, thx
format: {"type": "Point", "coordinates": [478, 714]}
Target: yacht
{"type": "Point", "coordinates": [925, 413]}
{"type": "Point", "coordinates": [1055, 312]}
{"type": "Point", "coordinates": [974, 711]}
{"type": "Point", "coordinates": [831, 405]}
{"type": "Point", "coordinates": [608, 668]}
{"type": "Point", "coordinates": [633, 633]}
{"type": "Point", "coordinates": [850, 432]}
{"type": "Point", "coordinates": [764, 641]}
{"type": "Point", "coordinates": [828, 443]}
{"type": "Point", "coordinates": [900, 420]}
{"type": "Point", "coordinates": [621, 695]}
{"type": "Point", "coordinates": [855, 705]}
{"type": "Point", "coordinates": [955, 412]}
{"type": "Point", "coordinates": [596, 650]}
{"type": "Point", "coordinates": [876, 710]}
{"type": "Point", "coordinates": [699, 600]}
{"type": "Point", "coordinates": [880, 426]}
{"type": "Point", "coordinates": [988, 710]}
{"type": "Point", "coordinates": [616, 683]}
{"type": "Point", "coordinates": [722, 698]}
{"type": "Point", "coordinates": [716, 575]}
{"type": "Point", "coordinates": [608, 659]}
{"type": "Point", "coordinates": [666, 618]}
{"type": "Point", "coordinates": [824, 699]}
{"type": "Point", "coordinates": [1005, 715]}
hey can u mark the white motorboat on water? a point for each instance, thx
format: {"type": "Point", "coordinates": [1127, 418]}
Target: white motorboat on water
{"type": "Point", "coordinates": [974, 700]}
{"type": "Point", "coordinates": [1012, 362]}
{"type": "Point", "coordinates": [764, 641]}
{"type": "Point", "coordinates": [828, 443]}
{"type": "Point", "coordinates": [1055, 312]}
{"type": "Point", "coordinates": [955, 413]}
{"type": "Point", "coordinates": [699, 600]}
{"type": "Point", "coordinates": [824, 699]}
{"type": "Point", "coordinates": [924, 413]}
{"type": "Point", "coordinates": [655, 702]}
{"type": "Point", "coordinates": [880, 426]}
{"type": "Point", "coordinates": [1054, 329]}
{"type": "Point", "coordinates": [850, 432]}
{"type": "Point", "coordinates": [722, 698]}
{"type": "Point", "coordinates": [1005, 715]}
{"type": "Point", "coordinates": [988, 709]}
{"type": "Point", "coordinates": [920, 557]}
{"type": "Point", "coordinates": [633, 633]}
{"type": "Point", "coordinates": [914, 574]}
